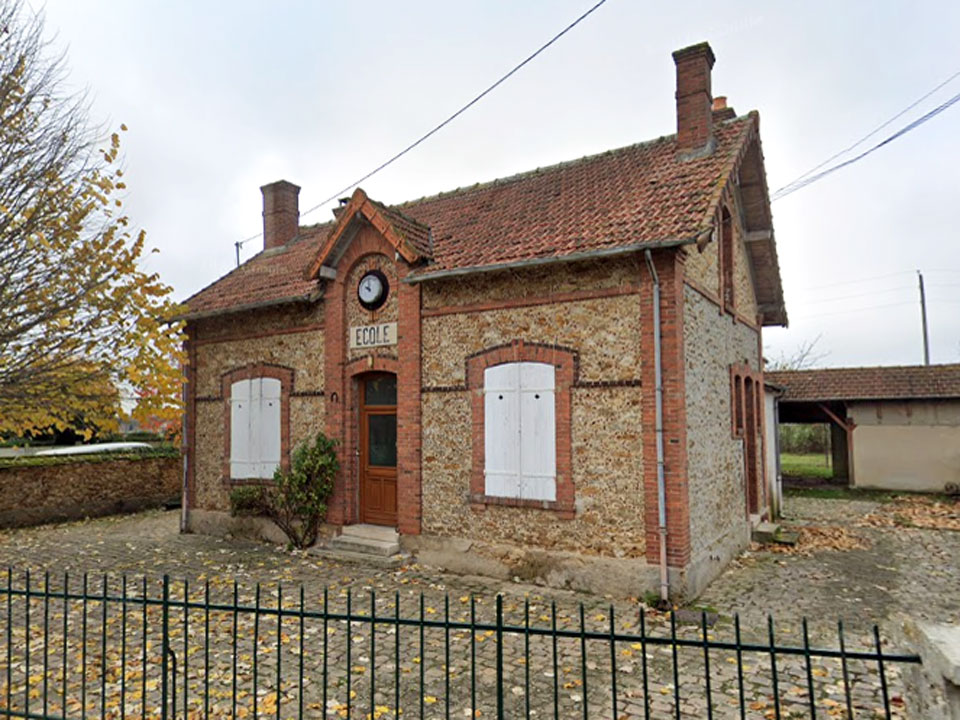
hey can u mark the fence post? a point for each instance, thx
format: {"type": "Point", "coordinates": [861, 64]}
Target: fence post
{"type": "Point", "coordinates": [499, 657]}
{"type": "Point", "coordinates": [934, 686]}
{"type": "Point", "coordinates": [164, 645]}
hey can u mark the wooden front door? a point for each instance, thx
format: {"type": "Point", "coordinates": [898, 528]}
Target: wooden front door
{"type": "Point", "coordinates": [378, 449]}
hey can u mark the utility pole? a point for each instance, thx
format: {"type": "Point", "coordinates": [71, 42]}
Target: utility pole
{"type": "Point", "coordinates": [923, 315]}
{"type": "Point", "coordinates": [237, 245]}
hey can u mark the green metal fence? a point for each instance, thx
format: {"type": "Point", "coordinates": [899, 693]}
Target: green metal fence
{"type": "Point", "coordinates": [114, 648]}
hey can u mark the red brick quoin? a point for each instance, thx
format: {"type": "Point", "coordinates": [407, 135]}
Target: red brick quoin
{"type": "Point", "coordinates": [248, 372]}
{"type": "Point", "coordinates": [564, 360]}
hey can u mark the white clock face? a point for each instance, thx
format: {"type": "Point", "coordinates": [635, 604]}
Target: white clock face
{"type": "Point", "coordinates": [371, 290]}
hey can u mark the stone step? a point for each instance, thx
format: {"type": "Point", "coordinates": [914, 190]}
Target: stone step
{"type": "Point", "coordinates": [346, 556]}
{"type": "Point", "coordinates": [368, 546]}
{"type": "Point", "coordinates": [370, 532]}
{"type": "Point", "coordinates": [766, 532]}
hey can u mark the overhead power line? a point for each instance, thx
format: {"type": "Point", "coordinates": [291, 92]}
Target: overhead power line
{"type": "Point", "coordinates": [450, 119]}
{"type": "Point", "coordinates": [793, 187]}
{"type": "Point", "coordinates": [873, 132]}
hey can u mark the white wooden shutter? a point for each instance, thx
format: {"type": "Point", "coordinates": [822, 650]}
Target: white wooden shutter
{"type": "Point", "coordinates": [269, 427]}
{"type": "Point", "coordinates": [501, 423]}
{"type": "Point", "coordinates": [538, 433]}
{"type": "Point", "coordinates": [241, 465]}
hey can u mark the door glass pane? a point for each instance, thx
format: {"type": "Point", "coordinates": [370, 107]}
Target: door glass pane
{"type": "Point", "coordinates": [381, 390]}
{"type": "Point", "coordinates": [382, 447]}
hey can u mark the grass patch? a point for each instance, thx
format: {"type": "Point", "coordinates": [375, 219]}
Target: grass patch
{"type": "Point", "coordinates": [811, 465]}
{"type": "Point", "coordinates": [841, 493]}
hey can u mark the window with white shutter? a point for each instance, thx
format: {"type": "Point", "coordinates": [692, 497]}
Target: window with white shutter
{"type": "Point", "coordinates": [520, 454]}
{"type": "Point", "coordinates": [254, 428]}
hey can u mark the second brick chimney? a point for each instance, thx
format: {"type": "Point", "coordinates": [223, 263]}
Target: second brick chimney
{"type": "Point", "coordinates": [281, 213]}
{"type": "Point", "coordinates": [694, 100]}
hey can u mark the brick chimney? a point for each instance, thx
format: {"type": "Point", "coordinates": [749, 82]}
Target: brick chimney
{"type": "Point", "coordinates": [281, 213]}
{"type": "Point", "coordinates": [694, 100]}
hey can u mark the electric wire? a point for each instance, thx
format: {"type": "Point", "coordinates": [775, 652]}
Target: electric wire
{"type": "Point", "coordinates": [873, 132]}
{"type": "Point", "coordinates": [450, 119]}
{"type": "Point", "coordinates": [800, 184]}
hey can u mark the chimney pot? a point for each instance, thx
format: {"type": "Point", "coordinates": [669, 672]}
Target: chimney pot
{"type": "Point", "coordinates": [281, 213]}
{"type": "Point", "coordinates": [694, 100]}
{"type": "Point", "coordinates": [722, 111]}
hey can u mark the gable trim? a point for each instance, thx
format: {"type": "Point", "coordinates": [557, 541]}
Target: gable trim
{"type": "Point", "coordinates": [361, 206]}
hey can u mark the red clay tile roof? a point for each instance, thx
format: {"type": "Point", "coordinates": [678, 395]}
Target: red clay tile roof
{"type": "Point", "coordinates": [270, 277]}
{"type": "Point", "coordinates": [903, 382]}
{"type": "Point", "coordinates": [637, 195]}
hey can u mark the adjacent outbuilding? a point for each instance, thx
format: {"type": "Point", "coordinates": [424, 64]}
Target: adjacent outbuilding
{"type": "Point", "coordinates": [894, 428]}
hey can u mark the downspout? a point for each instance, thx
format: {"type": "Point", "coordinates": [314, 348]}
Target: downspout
{"type": "Point", "coordinates": [661, 485]}
{"type": "Point", "coordinates": [186, 436]}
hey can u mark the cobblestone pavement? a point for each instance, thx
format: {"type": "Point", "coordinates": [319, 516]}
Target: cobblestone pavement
{"type": "Point", "coordinates": [842, 568]}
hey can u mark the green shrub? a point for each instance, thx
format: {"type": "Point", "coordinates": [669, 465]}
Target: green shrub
{"type": "Point", "coordinates": [297, 501]}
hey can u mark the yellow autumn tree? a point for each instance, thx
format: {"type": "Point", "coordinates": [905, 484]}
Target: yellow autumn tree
{"type": "Point", "coordinates": [81, 321]}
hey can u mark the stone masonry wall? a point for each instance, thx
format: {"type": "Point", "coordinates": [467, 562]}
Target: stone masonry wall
{"type": "Point", "coordinates": [293, 339]}
{"type": "Point", "coordinates": [606, 423]}
{"type": "Point", "coordinates": [36, 494]}
{"type": "Point", "coordinates": [715, 463]}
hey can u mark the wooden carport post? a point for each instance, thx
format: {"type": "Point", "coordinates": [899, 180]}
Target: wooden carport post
{"type": "Point", "coordinates": [848, 427]}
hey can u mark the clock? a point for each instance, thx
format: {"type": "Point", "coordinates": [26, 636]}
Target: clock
{"type": "Point", "coordinates": [373, 289]}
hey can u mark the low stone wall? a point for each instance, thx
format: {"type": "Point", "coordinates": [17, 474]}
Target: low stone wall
{"type": "Point", "coordinates": [33, 494]}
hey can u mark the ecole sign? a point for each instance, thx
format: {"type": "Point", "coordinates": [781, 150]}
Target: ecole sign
{"type": "Point", "coordinates": [367, 336]}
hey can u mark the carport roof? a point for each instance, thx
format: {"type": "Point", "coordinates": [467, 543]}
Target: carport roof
{"type": "Point", "coordinates": [903, 382]}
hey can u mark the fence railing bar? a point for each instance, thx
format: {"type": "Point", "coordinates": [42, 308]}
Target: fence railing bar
{"type": "Point", "coordinates": [643, 655]}
{"type": "Point", "coordinates": [300, 668]}
{"type": "Point", "coordinates": [373, 654]}
{"type": "Point", "coordinates": [256, 646]}
{"type": "Point", "coordinates": [63, 670]}
{"type": "Point", "coordinates": [676, 669]}
{"type": "Point", "coordinates": [846, 674]}
{"type": "Point", "coordinates": [206, 649]}
{"type": "Point", "coordinates": [526, 658]}
{"type": "Point", "coordinates": [123, 649]}
{"type": "Point", "coordinates": [349, 648]}
{"type": "Point", "coordinates": [613, 662]}
{"type": "Point", "coordinates": [742, 697]}
{"type": "Point", "coordinates": [706, 663]}
{"type": "Point", "coordinates": [279, 643]}
{"type": "Point", "coordinates": [473, 657]}
{"type": "Point", "coordinates": [499, 654]}
{"type": "Point", "coordinates": [46, 635]}
{"type": "Point", "coordinates": [143, 657]}
{"type": "Point", "coordinates": [103, 647]}
{"type": "Point", "coordinates": [9, 624]}
{"type": "Point", "coordinates": [396, 655]}
{"type": "Point", "coordinates": [556, 668]}
{"type": "Point", "coordinates": [165, 648]}
{"type": "Point", "coordinates": [26, 630]}
{"type": "Point", "coordinates": [882, 671]}
{"type": "Point", "coordinates": [809, 665]}
{"type": "Point", "coordinates": [423, 661]}
{"type": "Point", "coordinates": [235, 629]}
{"type": "Point", "coordinates": [446, 656]}
{"type": "Point", "coordinates": [83, 649]}
{"type": "Point", "coordinates": [773, 669]}
{"type": "Point", "coordinates": [186, 650]}
{"type": "Point", "coordinates": [583, 661]}
{"type": "Point", "coordinates": [325, 644]}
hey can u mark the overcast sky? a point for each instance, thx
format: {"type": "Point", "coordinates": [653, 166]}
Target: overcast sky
{"type": "Point", "coordinates": [223, 97]}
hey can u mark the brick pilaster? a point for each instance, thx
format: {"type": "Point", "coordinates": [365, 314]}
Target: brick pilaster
{"type": "Point", "coordinates": [669, 265]}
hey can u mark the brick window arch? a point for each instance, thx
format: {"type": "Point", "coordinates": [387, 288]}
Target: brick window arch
{"type": "Point", "coordinates": [540, 360]}
{"type": "Point", "coordinates": [238, 387]}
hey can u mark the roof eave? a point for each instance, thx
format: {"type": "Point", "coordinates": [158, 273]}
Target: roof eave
{"type": "Point", "coordinates": [310, 297]}
{"type": "Point", "coordinates": [551, 260]}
